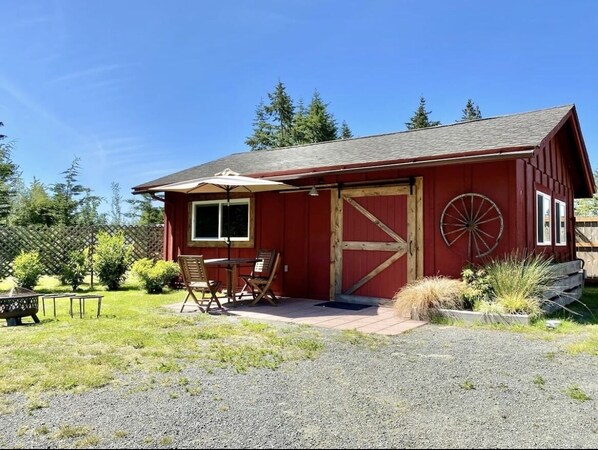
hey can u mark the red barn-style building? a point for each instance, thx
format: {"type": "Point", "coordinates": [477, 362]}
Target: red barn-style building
{"type": "Point", "coordinates": [394, 207]}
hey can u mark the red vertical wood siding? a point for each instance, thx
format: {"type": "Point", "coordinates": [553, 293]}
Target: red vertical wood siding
{"type": "Point", "coordinates": [550, 172]}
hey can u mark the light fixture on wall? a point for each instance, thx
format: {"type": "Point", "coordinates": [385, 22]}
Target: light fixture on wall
{"type": "Point", "coordinates": [313, 192]}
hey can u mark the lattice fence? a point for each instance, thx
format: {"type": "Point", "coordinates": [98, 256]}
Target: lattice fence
{"type": "Point", "coordinates": [56, 242]}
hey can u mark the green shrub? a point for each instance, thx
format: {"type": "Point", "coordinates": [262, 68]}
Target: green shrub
{"type": "Point", "coordinates": [112, 259]}
{"type": "Point", "coordinates": [154, 276]}
{"type": "Point", "coordinates": [421, 298]}
{"type": "Point", "coordinates": [74, 269]}
{"type": "Point", "coordinates": [478, 287]}
{"type": "Point", "coordinates": [27, 269]}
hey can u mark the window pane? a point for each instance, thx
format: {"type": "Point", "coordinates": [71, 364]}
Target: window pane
{"type": "Point", "coordinates": [561, 231]}
{"type": "Point", "coordinates": [239, 220]}
{"type": "Point", "coordinates": [543, 218]}
{"type": "Point", "coordinates": [206, 221]}
{"type": "Point", "coordinates": [539, 222]}
{"type": "Point", "coordinates": [546, 212]}
{"type": "Point", "coordinates": [562, 221]}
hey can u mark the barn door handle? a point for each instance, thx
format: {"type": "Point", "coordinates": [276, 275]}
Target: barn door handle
{"type": "Point", "coordinates": [410, 248]}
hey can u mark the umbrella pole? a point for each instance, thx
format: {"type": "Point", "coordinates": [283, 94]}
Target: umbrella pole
{"type": "Point", "coordinates": [229, 270]}
{"type": "Point", "coordinates": [228, 222]}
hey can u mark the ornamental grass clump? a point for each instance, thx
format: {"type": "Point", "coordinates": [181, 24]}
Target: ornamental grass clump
{"type": "Point", "coordinates": [421, 299]}
{"type": "Point", "coordinates": [518, 283]}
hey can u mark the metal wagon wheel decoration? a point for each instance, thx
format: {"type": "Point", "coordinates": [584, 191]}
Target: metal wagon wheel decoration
{"type": "Point", "coordinates": [472, 221]}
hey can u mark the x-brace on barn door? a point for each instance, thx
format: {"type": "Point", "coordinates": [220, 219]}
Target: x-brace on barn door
{"type": "Point", "coordinates": [376, 241]}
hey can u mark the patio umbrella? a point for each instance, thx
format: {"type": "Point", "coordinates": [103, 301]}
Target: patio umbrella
{"type": "Point", "coordinates": [225, 181]}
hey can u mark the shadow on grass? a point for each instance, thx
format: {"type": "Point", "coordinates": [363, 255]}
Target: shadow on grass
{"type": "Point", "coordinates": [584, 311]}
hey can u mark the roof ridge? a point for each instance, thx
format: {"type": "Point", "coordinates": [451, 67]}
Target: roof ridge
{"type": "Point", "coordinates": [462, 122]}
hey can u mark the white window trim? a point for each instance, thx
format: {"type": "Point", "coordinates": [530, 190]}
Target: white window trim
{"type": "Point", "coordinates": [549, 199]}
{"type": "Point", "coordinates": [220, 203]}
{"type": "Point", "coordinates": [557, 227]}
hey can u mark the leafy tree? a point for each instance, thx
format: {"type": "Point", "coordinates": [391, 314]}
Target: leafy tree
{"type": "Point", "coordinates": [471, 111]}
{"type": "Point", "coordinates": [588, 206]}
{"type": "Point", "coordinates": [9, 175]}
{"type": "Point", "coordinates": [33, 207]}
{"type": "Point", "coordinates": [346, 131]}
{"type": "Point", "coordinates": [66, 195]}
{"type": "Point", "coordinates": [143, 212]}
{"type": "Point", "coordinates": [420, 118]}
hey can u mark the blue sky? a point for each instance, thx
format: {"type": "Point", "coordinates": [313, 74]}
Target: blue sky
{"type": "Point", "coordinates": [140, 89]}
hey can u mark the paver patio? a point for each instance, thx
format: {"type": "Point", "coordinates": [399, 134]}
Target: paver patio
{"type": "Point", "coordinates": [374, 319]}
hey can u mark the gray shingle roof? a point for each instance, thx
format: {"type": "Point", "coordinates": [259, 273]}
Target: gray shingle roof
{"type": "Point", "coordinates": [524, 130]}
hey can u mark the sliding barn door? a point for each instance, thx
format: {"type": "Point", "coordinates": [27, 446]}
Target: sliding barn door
{"type": "Point", "coordinates": [375, 245]}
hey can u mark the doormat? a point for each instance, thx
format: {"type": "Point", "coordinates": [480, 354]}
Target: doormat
{"type": "Point", "coordinates": [343, 305]}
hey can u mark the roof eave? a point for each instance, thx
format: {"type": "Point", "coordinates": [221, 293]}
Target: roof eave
{"type": "Point", "coordinates": [441, 160]}
{"type": "Point", "coordinates": [588, 177]}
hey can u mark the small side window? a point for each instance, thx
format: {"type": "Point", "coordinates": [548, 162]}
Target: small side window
{"type": "Point", "coordinates": [543, 218]}
{"type": "Point", "coordinates": [560, 217]}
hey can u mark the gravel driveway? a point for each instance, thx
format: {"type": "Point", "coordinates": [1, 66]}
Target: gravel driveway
{"type": "Point", "coordinates": [437, 386]}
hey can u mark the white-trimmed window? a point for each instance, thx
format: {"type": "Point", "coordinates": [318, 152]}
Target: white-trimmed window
{"type": "Point", "coordinates": [209, 220]}
{"type": "Point", "coordinates": [543, 218]}
{"type": "Point", "coordinates": [560, 228]}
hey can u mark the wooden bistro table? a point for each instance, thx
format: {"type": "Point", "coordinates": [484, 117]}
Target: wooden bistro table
{"type": "Point", "coordinates": [231, 266]}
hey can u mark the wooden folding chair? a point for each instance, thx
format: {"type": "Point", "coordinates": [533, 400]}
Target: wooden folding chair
{"type": "Point", "coordinates": [261, 268]}
{"type": "Point", "coordinates": [195, 279]}
{"type": "Point", "coordinates": [261, 286]}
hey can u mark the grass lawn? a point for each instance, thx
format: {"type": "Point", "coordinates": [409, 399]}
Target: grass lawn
{"type": "Point", "coordinates": [135, 335]}
{"type": "Point", "coordinates": [578, 325]}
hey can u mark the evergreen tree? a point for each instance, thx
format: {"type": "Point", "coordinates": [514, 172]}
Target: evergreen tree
{"type": "Point", "coordinates": [420, 118]}
{"type": "Point", "coordinates": [282, 112]}
{"type": "Point", "coordinates": [279, 123]}
{"type": "Point", "coordinates": [116, 216]}
{"type": "Point", "coordinates": [143, 212]}
{"type": "Point", "coordinates": [88, 211]}
{"type": "Point", "coordinates": [66, 196]}
{"type": "Point", "coordinates": [263, 131]}
{"type": "Point", "coordinates": [321, 126]}
{"type": "Point", "coordinates": [470, 112]}
{"type": "Point", "coordinates": [9, 176]}
{"type": "Point", "coordinates": [301, 125]}
{"type": "Point", "coordinates": [345, 131]}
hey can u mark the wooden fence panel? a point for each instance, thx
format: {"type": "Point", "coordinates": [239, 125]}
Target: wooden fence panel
{"type": "Point", "coordinates": [586, 241]}
{"type": "Point", "coordinates": [567, 288]}
{"type": "Point", "coordinates": [55, 243]}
